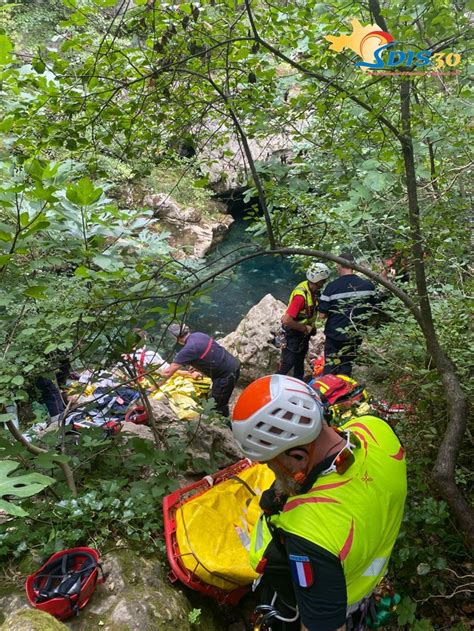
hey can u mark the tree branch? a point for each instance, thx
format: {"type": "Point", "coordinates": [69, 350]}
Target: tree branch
{"type": "Point", "coordinates": [329, 82]}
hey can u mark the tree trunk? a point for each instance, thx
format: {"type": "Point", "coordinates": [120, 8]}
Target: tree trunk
{"type": "Point", "coordinates": [445, 464]}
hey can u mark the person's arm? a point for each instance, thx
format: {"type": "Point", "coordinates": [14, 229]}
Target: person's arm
{"type": "Point", "coordinates": [291, 323]}
{"type": "Point", "coordinates": [322, 596]}
{"type": "Point", "coordinates": [289, 317]}
{"type": "Point", "coordinates": [323, 306]}
{"type": "Point", "coordinates": [194, 374]}
{"type": "Point", "coordinates": [166, 373]}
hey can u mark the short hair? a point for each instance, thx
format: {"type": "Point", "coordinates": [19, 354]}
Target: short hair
{"type": "Point", "coordinates": [348, 255]}
{"type": "Point", "coordinates": [178, 330]}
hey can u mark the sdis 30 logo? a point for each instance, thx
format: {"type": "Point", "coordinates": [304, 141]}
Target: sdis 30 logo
{"type": "Point", "coordinates": [370, 43]}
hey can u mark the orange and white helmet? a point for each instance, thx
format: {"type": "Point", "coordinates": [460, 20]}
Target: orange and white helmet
{"type": "Point", "coordinates": [275, 413]}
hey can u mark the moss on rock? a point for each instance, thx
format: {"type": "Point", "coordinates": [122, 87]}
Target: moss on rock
{"type": "Point", "coordinates": [32, 620]}
{"type": "Point", "coordinates": [137, 596]}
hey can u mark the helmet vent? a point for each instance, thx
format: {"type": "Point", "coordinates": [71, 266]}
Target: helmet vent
{"type": "Point", "coordinates": [275, 430]}
{"type": "Point", "coordinates": [302, 402]}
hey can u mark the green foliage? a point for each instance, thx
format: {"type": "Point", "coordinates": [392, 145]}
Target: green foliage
{"type": "Point", "coordinates": [181, 181]}
{"type": "Point", "coordinates": [406, 611]}
{"type": "Point", "coordinates": [194, 616]}
{"type": "Point", "coordinates": [31, 22]}
{"type": "Point", "coordinates": [20, 486]}
{"type": "Point", "coordinates": [92, 254]}
{"type": "Point", "coordinates": [121, 486]}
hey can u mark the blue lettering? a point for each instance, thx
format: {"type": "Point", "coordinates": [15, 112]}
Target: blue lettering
{"type": "Point", "coordinates": [395, 58]}
{"type": "Point", "coordinates": [423, 57]}
{"type": "Point", "coordinates": [410, 56]}
{"type": "Point", "coordinates": [379, 62]}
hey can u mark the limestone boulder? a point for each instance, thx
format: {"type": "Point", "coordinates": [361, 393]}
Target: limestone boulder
{"type": "Point", "coordinates": [253, 340]}
{"type": "Point", "coordinates": [192, 233]}
{"type": "Point", "coordinates": [205, 444]}
{"type": "Point", "coordinates": [12, 601]}
{"type": "Point", "coordinates": [203, 441]}
{"type": "Point", "coordinates": [225, 163]}
{"type": "Point", "coordinates": [31, 620]}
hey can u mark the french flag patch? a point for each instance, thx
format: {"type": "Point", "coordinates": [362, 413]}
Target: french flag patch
{"type": "Point", "coordinates": [301, 570]}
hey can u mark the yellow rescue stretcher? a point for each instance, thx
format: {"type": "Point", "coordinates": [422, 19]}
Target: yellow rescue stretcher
{"type": "Point", "coordinates": [207, 530]}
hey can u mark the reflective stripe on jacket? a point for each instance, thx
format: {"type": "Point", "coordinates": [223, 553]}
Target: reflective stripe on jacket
{"type": "Point", "coordinates": [260, 537]}
{"type": "Point", "coordinates": [307, 314]}
{"type": "Point", "coordinates": [357, 515]}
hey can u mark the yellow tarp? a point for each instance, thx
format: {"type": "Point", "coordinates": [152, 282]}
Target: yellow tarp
{"type": "Point", "coordinates": [181, 393]}
{"type": "Point", "coordinates": [213, 529]}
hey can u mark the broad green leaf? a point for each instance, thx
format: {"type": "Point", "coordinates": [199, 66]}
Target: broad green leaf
{"type": "Point", "coordinates": [34, 168]}
{"type": "Point", "coordinates": [39, 66]}
{"type": "Point", "coordinates": [6, 124]}
{"type": "Point", "coordinates": [107, 263]}
{"type": "Point", "coordinates": [82, 271]}
{"type": "Point", "coordinates": [20, 486]}
{"type": "Point", "coordinates": [83, 192]}
{"type": "Point", "coordinates": [36, 291]}
{"type": "Point", "coordinates": [6, 48]}
{"type": "Point", "coordinates": [406, 611]}
{"type": "Point", "coordinates": [36, 227]}
{"type": "Point", "coordinates": [12, 509]}
{"type": "Point", "coordinates": [5, 418]}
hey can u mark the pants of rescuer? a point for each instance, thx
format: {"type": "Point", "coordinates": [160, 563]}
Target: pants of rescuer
{"type": "Point", "coordinates": [340, 355]}
{"type": "Point", "coordinates": [221, 391]}
{"type": "Point", "coordinates": [294, 353]}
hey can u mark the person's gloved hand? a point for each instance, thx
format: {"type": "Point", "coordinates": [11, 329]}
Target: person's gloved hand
{"type": "Point", "coordinates": [272, 501]}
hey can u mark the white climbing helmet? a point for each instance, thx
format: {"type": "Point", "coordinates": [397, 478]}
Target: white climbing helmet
{"type": "Point", "coordinates": [276, 413]}
{"type": "Point", "coordinates": [317, 272]}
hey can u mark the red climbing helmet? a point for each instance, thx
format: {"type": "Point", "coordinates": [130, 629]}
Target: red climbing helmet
{"type": "Point", "coordinates": [137, 415]}
{"type": "Point", "coordinates": [66, 582]}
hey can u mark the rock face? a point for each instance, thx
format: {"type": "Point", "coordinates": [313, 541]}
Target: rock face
{"type": "Point", "coordinates": [252, 341]}
{"type": "Point", "coordinates": [225, 163]}
{"type": "Point", "coordinates": [137, 596]}
{"type": "Point", "coordinates": [201, 442]}
{"type": "Point", "coordinates": [192, 234]}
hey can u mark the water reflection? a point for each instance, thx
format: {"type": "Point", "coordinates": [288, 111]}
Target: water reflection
{"type": "Point", "coordinates": [230, 298]}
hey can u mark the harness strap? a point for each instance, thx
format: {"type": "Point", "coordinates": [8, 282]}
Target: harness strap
{"type": "Point", "coordinates": [207, 349]}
